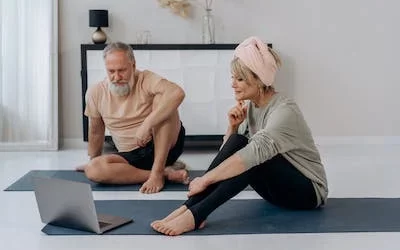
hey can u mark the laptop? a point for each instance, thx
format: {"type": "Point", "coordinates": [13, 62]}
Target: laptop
{"type": "Point", "coordinates": [70, 204]}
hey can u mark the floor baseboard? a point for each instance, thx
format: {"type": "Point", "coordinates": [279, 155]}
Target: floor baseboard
{"type": "Point", "coordinates": [357, 140]}
{"type": "Point", "coordinates": [73, 143]}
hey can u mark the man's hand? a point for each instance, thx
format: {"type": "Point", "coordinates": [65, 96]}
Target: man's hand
{"type": "Point", "coordinates": [143, 135]}
{"type": "Point", "coordinates": [154, 184]}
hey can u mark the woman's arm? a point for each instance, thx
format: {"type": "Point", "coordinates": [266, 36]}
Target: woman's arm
{"type": "Point", "coordinates": [229, 168]}
{"type": "Point", "coordinates": [236, 116]}
{"type": "Point", "coordinates": [232, 166]}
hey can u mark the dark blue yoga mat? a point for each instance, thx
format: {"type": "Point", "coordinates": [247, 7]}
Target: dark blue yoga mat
{"type": "Point", "coordinates": [25, 183]}
{"type": "Point", "coordinates": [258, 217]}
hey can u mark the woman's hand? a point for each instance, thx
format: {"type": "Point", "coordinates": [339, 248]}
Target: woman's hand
{"type": "Point", "coordinates": [197, 185]}
{"type": "Point", "coordinates": [237, 114]}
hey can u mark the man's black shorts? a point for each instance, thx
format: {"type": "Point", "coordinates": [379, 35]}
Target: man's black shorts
{"type": "Point", "coordinates": [143, 158]}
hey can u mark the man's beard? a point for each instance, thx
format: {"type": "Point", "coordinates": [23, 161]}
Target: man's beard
{"type": "Point", "coordinates": [119, 89]}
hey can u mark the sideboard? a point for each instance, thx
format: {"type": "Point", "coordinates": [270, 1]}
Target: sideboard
{"type": "Point", "coordinates": [202, 70]}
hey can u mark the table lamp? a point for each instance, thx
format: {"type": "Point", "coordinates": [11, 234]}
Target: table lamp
{"type": "Point", "coordinates": [98, 18]}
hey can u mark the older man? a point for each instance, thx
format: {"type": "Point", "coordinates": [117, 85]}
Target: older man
{"type": "Point", "coordinates": [140, 109]}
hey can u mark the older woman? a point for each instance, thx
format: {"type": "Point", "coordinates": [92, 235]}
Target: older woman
{"type": "Point", "coordinates": [268, 146]}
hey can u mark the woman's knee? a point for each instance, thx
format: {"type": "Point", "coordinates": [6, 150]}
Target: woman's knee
{"type": "Point", "coordinates": [237, 139]}
{"type": "Point", "coordinates": [235, 142]}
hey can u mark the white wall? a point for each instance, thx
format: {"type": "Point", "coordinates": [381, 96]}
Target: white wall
{"type": "Point", "coordinates": [340, 58]}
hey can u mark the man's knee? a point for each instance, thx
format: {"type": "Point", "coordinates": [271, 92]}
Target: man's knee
{"type": "Point", "coordinates": [96, 171]}
{"type": "Point", "coordinates": [168, 130]}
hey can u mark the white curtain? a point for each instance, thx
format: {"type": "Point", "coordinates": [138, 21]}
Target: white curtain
{"type": "Point", "coordinates": [28, 75]}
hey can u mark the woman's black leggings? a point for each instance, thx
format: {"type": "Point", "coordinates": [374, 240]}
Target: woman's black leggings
{"type": "Point", "coordinates": [276, 180]}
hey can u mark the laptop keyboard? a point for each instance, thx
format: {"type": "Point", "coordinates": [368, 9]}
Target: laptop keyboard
{"type": "Point", "coordinates": [103, 224]}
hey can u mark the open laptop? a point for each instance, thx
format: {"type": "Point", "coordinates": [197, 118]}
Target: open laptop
{"type": "Point", "coordinates": [70, 204]}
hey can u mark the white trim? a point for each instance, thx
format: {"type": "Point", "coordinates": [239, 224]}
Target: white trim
{"type": "Point", "coordinates": [357, 140]}
{"type": "Point", "coordinates": [32, 146]}
{"type": "Point", "coordinates": [54, 59]}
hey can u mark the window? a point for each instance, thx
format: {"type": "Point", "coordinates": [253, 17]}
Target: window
{"type": "Point", "coordinates": [28, 75]}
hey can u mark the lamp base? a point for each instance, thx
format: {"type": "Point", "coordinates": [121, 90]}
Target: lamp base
{"type": "Point", "coordinates": [99, 37]}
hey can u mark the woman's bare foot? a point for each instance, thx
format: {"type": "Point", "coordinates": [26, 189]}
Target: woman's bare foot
{"type": "Point", "coordinates": [180, 175]}
{"type": "Point", "coordinates": [169, 217]}
{"type": "Point", "coordinates": [181, 224]}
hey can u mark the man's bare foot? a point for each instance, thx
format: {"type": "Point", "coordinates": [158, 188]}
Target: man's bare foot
{"type": "Point", "coordinates": [153, 185]}
{"type": "Point", "coordinates": [80, 168]}
{"type": "Point", "coordinates": [174, 175]}
{"type": "Point", "coordinates": [181, 224]}
{"type": "Point", "coordinates": [179, 165]}
{"type": "Point", "coordinates": [155, 224]}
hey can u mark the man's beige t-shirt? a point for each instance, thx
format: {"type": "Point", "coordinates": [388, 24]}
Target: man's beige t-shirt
{"type": "Point", "coordinates": [122, 116]}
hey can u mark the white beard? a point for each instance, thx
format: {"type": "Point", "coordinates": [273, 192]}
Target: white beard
{"type": "Point", "coordinates": [119, 90]}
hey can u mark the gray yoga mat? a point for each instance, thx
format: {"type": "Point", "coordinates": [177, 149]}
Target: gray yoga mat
{"type": "Point", "coordinates": [257, 217]}
{"type": "Point", "coordinates": [25, 183]}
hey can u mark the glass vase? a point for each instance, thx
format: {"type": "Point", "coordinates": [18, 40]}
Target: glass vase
{"type": "Point", "coordinates": [208, 29]}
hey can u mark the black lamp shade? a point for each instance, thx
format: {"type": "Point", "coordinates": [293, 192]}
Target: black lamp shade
{"type": "Point", "coordinates": [98, 18]}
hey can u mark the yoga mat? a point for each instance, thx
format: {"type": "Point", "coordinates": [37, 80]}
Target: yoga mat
{"type": "Point", "coordinates": [257, 217]}
{"type": "Point", "coordinates": [25, 183]}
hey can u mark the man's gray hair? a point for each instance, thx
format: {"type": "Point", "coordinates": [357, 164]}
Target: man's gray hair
{"type": "Point", "coordinates": [119, 46]}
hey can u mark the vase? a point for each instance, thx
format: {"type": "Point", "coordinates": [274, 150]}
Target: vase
{"type": "Point", "coordinates": [208, 29]}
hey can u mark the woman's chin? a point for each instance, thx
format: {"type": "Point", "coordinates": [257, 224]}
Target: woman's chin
{"type": "Point", "coordinates": [239, 98]}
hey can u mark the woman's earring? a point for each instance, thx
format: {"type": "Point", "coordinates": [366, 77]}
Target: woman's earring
{"type": "Point", "coordinates": [260, 89]}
